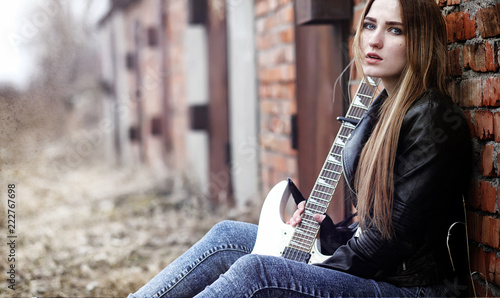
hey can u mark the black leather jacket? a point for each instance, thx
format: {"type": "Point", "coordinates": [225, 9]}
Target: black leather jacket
{"type": "Point", "coordinates": [432, 170]}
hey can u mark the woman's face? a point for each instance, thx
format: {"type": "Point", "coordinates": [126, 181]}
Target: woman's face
{"type": "Point", "coordinates": [383, 42]}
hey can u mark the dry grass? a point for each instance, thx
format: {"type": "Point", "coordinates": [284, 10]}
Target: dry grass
{"type": "Point", "coordinates": [99, 231]}
{"type": "Point", "coordinates": [92, 230]}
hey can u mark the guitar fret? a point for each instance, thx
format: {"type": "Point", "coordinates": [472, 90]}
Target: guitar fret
{"type": "Point", "coordinates": [358, 103]}
{"type": "Point", "coordinates": [301, 235]}
{"type": "Point", "coordinates": [319, 199]}
{"type": "Point", "coordinates": [303, 222]}
{"type": "Point", "coordinates": [365, 95]}
{"type": "Point", "coordinates": [332, 159]}
{"type": "Point", "coordinates": [326, 188]}
{"type": "Point", "coordinates": [333, 164]}
{"type": "Point", "coordinates": [315, 203]}
{"type": "Point", "coordinates": [327, 180]}
{"type": "Point", "coordinates": [337, 150]}
{"type": "Point", "coordinates": [339, 142]}
{"type": "Point", "coordinates": [309, 212]}
{"type": "Point", "coordinates": [305, 232]}
{"type": "Point", "coordinates": [332, 171]}
{"type": "Point", "coordinates": [326, 173]}
{"type": "Point", "coordinates": [315, 206]}
{"type": "Point", "coordinates": [349, 125]}
{"type": "Point", "coordinates": [357, 113]}
{"type": "Point", "coordinates": [298, 245]}
{"type": "Point", "coordinates": [323, 191]}
{"type": "Point", "coordinates": [323, 182]}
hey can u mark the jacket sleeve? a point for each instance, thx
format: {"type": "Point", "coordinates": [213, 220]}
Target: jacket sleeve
{"type": "Point", "coordinates": [426, 174]}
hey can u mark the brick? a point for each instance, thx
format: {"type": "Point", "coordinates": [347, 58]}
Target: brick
{"type": "Point", "coordinates": [288, 73]}
{"type": "Point", "coordinates": [287, 15]}
{"type": "Point", "coordinates": [488, 21]}
{"type": "Point", "coordinates": [474, 226]}
{"type": "Point", "coordinates": [491, 93]}
{"type": "Point", "coordinates": [469, 93]}
{"type": "Point", "coordinates": [264, 41]}
{"type": "Point", "coordinates": [487, 196]}
{"type": "Point", "coordinates": [470, 26]}
{"type": "Point", "coordinates": [272, 74]}
{"type": "Point", "coordinates": [287, 35]}
{"type": "Point", "coordinates": [486, 161]}
{"type": "Point", "coordinates": [454, 62]}
{"type": "Point", "coordinates": [480, 57]}
{"type": "Point", "coordinates": [491, 232]}
{"type": "Point", "coordinates": [491, 52]}
{"type": "Point", "coordinates": [261, 8]}
{"type": "Point", "coordinates": [484, 124]}
{"type": "Point", "coordinates": [481, 262]}
{"type": "Point", "coordinates": [455, 26]}
{"type": "Point", "coordinates": [496, 127]}
{"type": "Point", "coordinates": [490, 266]}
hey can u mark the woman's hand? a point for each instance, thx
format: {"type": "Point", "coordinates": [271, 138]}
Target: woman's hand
{"type": "Point", "coordinates": [296, 217]}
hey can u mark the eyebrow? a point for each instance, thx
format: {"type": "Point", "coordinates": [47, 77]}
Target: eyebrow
{"type": "Point", "coordinates": [391, 23]}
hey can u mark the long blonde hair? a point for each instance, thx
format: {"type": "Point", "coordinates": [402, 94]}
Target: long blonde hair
{"type": "Point", "coordinates": [426, 68]}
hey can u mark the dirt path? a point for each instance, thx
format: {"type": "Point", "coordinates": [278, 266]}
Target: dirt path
{"type": "Point", "coordinates": [98, 231]}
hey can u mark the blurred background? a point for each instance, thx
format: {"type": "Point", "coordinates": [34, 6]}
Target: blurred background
{"type": "Point", "coordinates": [130, 127]}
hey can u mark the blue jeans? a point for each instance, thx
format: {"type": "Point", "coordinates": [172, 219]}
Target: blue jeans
{"type": "Point", "coordinates": [220, 265]}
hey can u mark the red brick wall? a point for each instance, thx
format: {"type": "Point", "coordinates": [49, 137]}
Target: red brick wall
{"type": "Point", "coordinates": [275, 36]}
{"type": "Point", "coordinates": [474, 56]}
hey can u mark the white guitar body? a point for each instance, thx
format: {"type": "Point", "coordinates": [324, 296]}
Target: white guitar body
{"type": "Point", "coordinates": [274, 234]}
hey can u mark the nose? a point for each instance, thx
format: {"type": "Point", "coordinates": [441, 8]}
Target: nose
{"type": "Point", "coordinates": [376, 39]}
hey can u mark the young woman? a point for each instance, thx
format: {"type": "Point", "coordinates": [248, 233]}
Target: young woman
{"type": "Point", "coordinates": [407, 163]}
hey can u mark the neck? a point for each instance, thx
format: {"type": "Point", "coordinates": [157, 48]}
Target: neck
{"type": "Point", "coordinates": [389, 86]}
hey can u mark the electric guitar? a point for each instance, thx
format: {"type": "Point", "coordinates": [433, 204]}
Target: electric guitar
{"type": "Point", "coordinates": [274, 236]}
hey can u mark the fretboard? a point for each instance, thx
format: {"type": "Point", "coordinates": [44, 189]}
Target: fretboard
{"type": "Point", "coordinates": [306, 232]}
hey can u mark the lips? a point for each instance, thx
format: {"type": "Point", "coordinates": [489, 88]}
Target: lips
{"type": "Point", "coordinates": [373, 56]}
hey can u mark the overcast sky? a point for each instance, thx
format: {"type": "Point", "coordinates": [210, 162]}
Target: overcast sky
{"type": "Point", "coordinates": [19, 20]}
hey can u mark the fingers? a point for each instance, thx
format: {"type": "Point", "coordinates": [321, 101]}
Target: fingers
{"type": "Point", "coordinates": [319, 217]}
{"type": "Point", "coordinates": [296, 217]}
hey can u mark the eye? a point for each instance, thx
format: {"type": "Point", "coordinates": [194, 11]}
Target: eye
{"type": "Point", "coordinates": [396, 31]}
{"type": "Point", "coordinates": [369, 25]}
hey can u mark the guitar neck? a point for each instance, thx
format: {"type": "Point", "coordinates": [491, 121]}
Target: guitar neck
{"type": "Point", "coordinates": [322, 192]}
